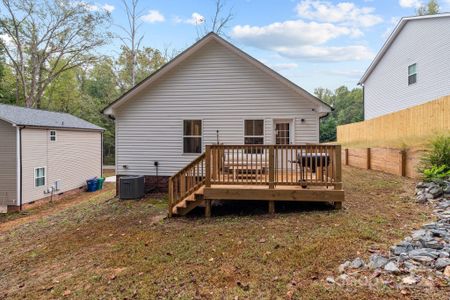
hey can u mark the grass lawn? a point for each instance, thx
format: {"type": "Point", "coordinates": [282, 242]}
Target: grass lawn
{"type": "Point", "coordinates": [106, 248]}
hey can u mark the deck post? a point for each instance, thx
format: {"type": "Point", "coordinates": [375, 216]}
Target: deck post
{"type": "Point", "coordinates": [170, 197]}
{"type": "Point", "coordinates": [271, 167]}
{"type": "Point", "coordinates": [208, 166]}
{"type": "Point", "coordinates": [271, 207]}
{"type": "Point", "coordinates": [338, 164]}
{"type": "Point", "coordinates": [208, 208]}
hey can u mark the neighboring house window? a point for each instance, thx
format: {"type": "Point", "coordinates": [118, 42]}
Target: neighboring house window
{"type": "Point", "coordinates": [412, 74]}
{"type": "Point", "coordinates": [192, 136]}
{"type": "Point", "coordinates": [39, 177]}
{"type": "Point", "coordinates": [254, 132]}
{"type": "Point", "coordinates": [53, 135]}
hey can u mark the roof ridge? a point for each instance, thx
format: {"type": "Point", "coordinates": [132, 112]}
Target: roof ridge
{"type": "Point", "coordinates": [38, 109]}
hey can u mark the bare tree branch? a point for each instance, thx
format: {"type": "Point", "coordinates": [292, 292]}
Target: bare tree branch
{"type": "Point", "coordinates": [48, 38]}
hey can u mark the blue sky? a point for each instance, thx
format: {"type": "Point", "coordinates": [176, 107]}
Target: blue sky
{"type": "Point", "coordinates": [313, 43]}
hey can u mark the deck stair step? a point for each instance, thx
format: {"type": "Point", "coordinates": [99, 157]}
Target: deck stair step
{"type": "Point", "coordinates": [192, 201]}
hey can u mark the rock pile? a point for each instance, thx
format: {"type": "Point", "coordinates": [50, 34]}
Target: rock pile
{"type": "Point", "coordinates": [421, 257]}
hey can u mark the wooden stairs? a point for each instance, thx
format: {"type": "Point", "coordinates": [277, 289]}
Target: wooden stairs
{"type": "Point", "coordinates": [189, 203]}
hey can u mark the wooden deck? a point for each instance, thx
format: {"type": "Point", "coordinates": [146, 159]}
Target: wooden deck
{"type": "Point", "coordinates": [258, 172]}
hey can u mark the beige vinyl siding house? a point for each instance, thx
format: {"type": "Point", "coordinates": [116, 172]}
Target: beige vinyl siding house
{"type": "Point", "coordinates": [45, 153]}
{"type": "Point", "coordinates": [8, 164]}
{"type": "Point", "coordinates": [219, 88]}
{"type": "Point", "coordinates": [74, 157]}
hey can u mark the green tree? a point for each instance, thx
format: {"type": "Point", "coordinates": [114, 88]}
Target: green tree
{"type": "Point", "coordinates": [148, 60]}
{"type": "Point", "coordinates": [7, 83]}
{"type": "Point", "coordinates": [44, 33]}
{"type": "Point", "coordinates": [348, 108]}
{"type": "Point", "coordinates": [431, 8]}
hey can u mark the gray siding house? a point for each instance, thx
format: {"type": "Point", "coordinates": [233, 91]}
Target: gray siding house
{"type": "Point", "coordinates": [45, 154]}
{"type": "Point", "coordinates": [211, 93]}
{"type": "Point", "coordinates": [412, 67]}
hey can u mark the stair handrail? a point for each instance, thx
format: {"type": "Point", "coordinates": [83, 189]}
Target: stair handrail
{"type": "Point", "coordinates": [186, 181]}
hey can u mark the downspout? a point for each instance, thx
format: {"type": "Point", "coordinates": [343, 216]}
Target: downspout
{"type": "Point", "coordinates": [20, 168]}
{"type": "Point", "coordinates": [101, 154]}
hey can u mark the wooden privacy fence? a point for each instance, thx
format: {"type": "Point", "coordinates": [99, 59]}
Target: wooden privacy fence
{"type": "Point", "coordinates": [396, 128]}
{"type": "Point", "coordinates": [389, 160]}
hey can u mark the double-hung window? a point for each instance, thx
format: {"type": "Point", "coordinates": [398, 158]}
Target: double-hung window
{"type": "Point", "coordinates": [412, 74]}
{"type": "Point", "coordinates": [39, 177]}
{"type": "Point", "coordinates": [192, 136]}
{"type": "Point", "coordinates": [254, 134]}
{"type": "Point", "coordinates": [52, 135]}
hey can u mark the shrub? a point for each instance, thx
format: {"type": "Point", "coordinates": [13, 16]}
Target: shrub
{"type": "Point", "coordinates": [437, 173]}
{"type": "Point", "coordinates": [437, 160]}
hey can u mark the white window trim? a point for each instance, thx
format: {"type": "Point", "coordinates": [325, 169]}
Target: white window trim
{"type": "Point", "coordinates": [45, 176]}
{"type": "Point", "coordinates": [263, 136]}
{"type": "Point", "coordinates": [183, 136]}
{"type": "Point", "coordinates": [409, 75]}
{"type": "Point", "coordinates": [50, 135]}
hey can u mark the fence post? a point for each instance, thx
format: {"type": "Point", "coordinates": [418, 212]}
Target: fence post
{"type": "Point", "coordinates": [402, 163]}
{"type": "Point", "coordinates": [368, 159]}
{"type": "Point", "coordinates": [338, 153]}
{"type": "Point", "coordinates": [346, 156]}
{"type": "Point", "coordinates": [208, 166]}
{"type": "Point", "coordinates": [271, 167]}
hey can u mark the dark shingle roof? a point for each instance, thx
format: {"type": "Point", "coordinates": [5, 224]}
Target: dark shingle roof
{"type": "Point", "coordinates": [22, 116]}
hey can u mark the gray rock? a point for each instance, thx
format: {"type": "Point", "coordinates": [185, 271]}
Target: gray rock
{"type": "Point", "coordinates": [444, 254]}
{"type": "Point", "coordinates": [343, 267]}
{"type": "Point", "coordinates": [377, 261]}
{"type": "Point", "coordinates": [410, 280]}
{"type": "Point", "coordinates": [423, 185]}
{"type": "Point", "coordinates": [357, 263]}
{"type": "Point", "coordinates": [435, 191]}
{"type": "Point", "coordinates": [397, 250]}
{"type": "Point", "coordinates": [441, 263]}
{"type": "Point", "coordinates": [418, 234]}
{"type": "Point", "coordinates": [432, 253]}
{"type": "Point", "coordinates": [421, 198]}
{"type": "Point", "coordinates": [330, 280]}
{"type": "Point", "coordinates": [431, 243]}
{"type": "Point", "coordinates": [392, 267]}
{"type": "Point", "coordinates": [423, 259]}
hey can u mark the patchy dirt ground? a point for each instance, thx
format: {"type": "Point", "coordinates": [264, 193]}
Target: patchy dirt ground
{"type": "Point", "coordinates": [103, 248]}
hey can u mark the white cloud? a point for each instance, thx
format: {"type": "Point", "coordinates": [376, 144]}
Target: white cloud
{"type": "Point", "coordinates": [284, 38]}
{"type": "Point", "coordinates": [342, 13]}
{"type": "Point", "coordinates": [195, 19]}
{"type": "Point", "coordinates": [108, 7]}
{"type": "Point", "coordinates": [326, 53]}
{"type": "Point", "coordinates": [153, 16]}
{"type": "Point", "coordinates": [96, 7]}
{"type": "Point", "coordinates": [410, 3]}
{"type": "Point", "coordinates": [291, 33]}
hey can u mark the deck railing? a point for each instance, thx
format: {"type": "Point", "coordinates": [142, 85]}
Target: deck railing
{"type": "Point", "coordinates": [186, 181]}
{"type": "Point", "coordinates": [272, 165]}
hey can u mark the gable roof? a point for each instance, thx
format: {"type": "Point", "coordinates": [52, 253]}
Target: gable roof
{"type": "Point", "coordinates": [21, 116]}
{"type": "Point", "coordinates": [401, 24]}
{"type": "Point", "coordinates": [194, 48]}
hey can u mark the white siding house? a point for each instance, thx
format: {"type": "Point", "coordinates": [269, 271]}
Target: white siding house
{"type": "Point", "coordinates": [41, 151]}
{"type": "Point", "coordinates": [212, 92]}
{"type": "Point", "coordinates": [412, 67]}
